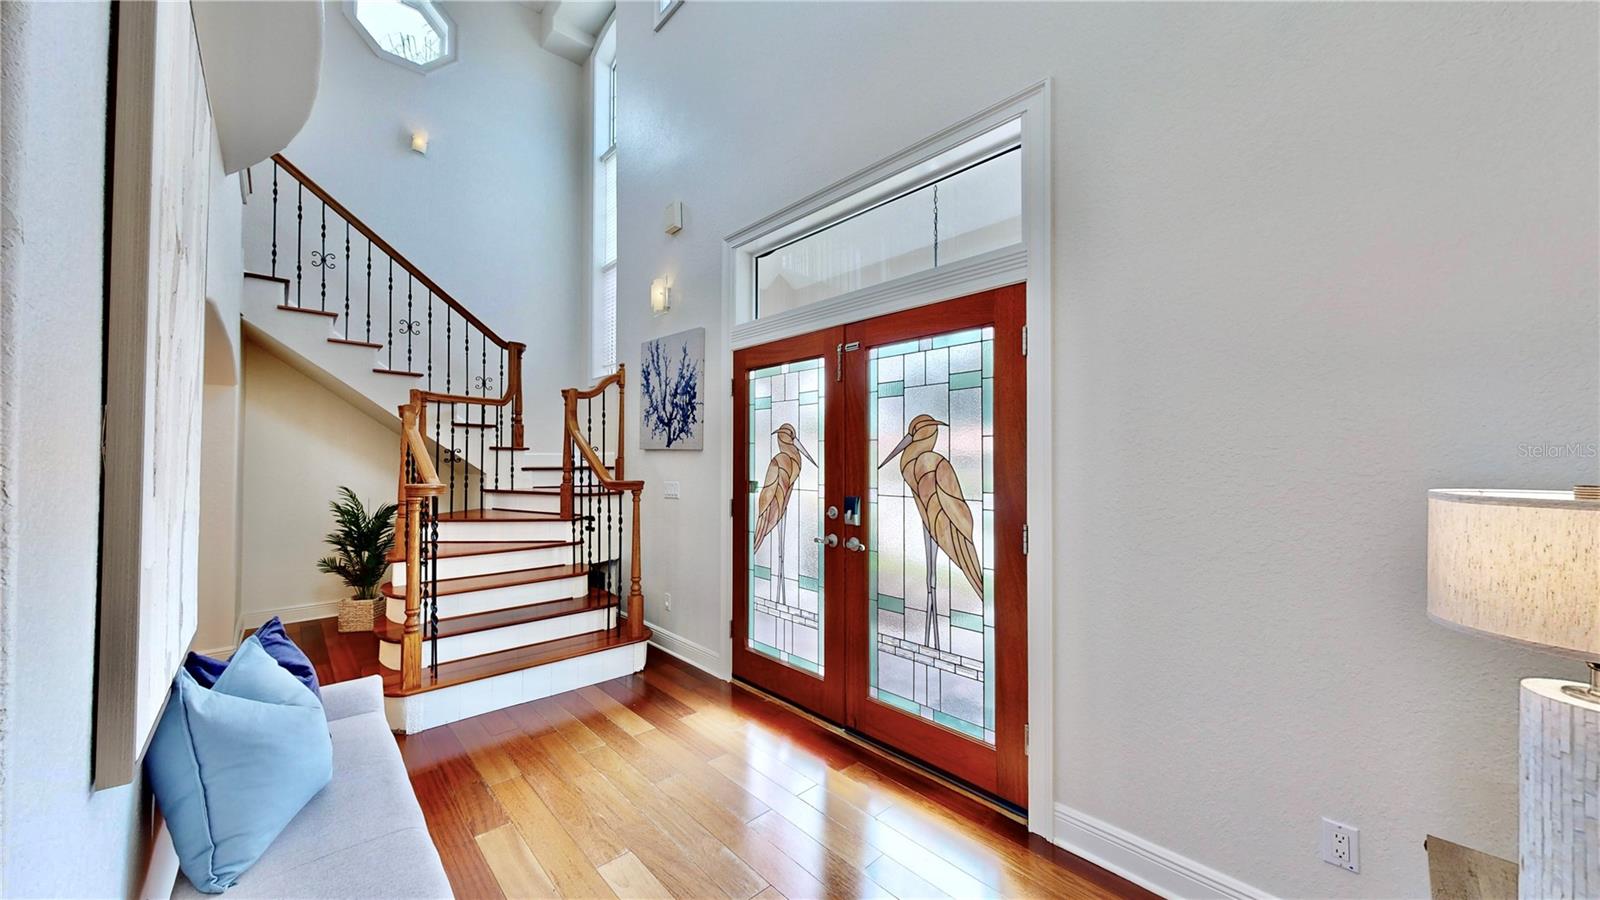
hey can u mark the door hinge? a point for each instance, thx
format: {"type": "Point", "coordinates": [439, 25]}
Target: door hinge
{"type": "Point", "coordinates": [733, 386]}
{"type": "Point", "coordinates": [1024, 539]}
{"type": "Point", "coordinates": [731, 502]}
{"type": "Point", "coordinates": [1024, 340]}
{"type": "Point", "coordinates": [1027, 738]}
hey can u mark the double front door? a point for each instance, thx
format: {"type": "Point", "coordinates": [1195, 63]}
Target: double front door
{"type": "Point", "coordinates": [879, 576]}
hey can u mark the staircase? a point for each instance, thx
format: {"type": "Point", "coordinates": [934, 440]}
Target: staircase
{"type": "Point", "coordinates": [515, 575]}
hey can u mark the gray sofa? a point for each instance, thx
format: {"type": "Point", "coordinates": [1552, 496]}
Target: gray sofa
{"type": "Point", "coordinates": [363, 835]}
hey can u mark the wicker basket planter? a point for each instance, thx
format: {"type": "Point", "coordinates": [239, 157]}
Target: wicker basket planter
{"type": "Point", "coordinates": [358, 615]}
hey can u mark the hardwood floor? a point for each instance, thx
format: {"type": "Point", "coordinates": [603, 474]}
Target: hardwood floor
{"type": "Point", "coordinates": [672, 783]}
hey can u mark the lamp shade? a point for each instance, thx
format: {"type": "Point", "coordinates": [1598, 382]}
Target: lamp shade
{"type": "Point", "coordinates": [1520, 565]}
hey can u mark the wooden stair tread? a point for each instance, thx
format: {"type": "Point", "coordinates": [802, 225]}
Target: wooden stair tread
{"type": "Point", "coordinates": [382, 371]}
{"type": "Point", "coordinates": [354, 343]}
{"type": "Point", "coordinates": [508, 449]}
{"type": "Point", "coordinates": [469, 583]}
{"type": "Point", "coordinates": [459, 424]}
{"type": "Point", "coordinates": [456, 549]}
{"type": "Point", "coordinates": [307, 309]}
{"type": "Point", "coordinates": [501, 515]}
{"type": "Point", "coordinates": [489, 665]}
{"type": "Point", "coordinates": [453, 626]}
{"type": "Point", "coordinates": [278, 278]}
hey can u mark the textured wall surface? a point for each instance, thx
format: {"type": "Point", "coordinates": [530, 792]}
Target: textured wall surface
{"type": "Point", "coordinates": [57, 838]}
{"type": "Point", "coordinates": [1310, 260]}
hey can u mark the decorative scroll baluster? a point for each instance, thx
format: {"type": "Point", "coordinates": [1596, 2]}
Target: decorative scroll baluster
{"type": "Point", "coordinates": [275, 219]}
{"type": "Point", "coordinates": [320, 260]}
{"type": "Point", "coordinates": [410, 328]}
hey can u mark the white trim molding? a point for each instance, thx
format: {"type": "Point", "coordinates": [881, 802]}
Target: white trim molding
{"type": "Point", "coordinates": [695, 654]}
{"type": "Point", "coordinates": [1146, 864]}
{"type": "Point", "coordinates": [254, 618]}
{"type": "Point", "coordinates": [1028, 262]}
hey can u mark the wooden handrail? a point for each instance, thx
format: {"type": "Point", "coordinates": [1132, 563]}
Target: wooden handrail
{"type": "Point", "coordinates": [387, 248]}
{"type": "Point", "coordinates": [572, 439]}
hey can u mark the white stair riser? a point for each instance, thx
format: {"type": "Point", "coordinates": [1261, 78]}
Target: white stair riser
{"type": "Point", "coordinates": [530, 502]}
{"type": "Point", "coordinates": [502, 530]}
{"type": "Point", "coordinates": [494, 640]}
{"type": "Point", "coordinates": [486, 563]}
{"type": "Point", "coordinates": [431, 709]}
{"type": "Point", "coordinates": [499, 598]}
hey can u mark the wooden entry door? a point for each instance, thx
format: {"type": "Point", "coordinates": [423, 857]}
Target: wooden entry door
{"type": "Point", "coordinates": [879, 572]}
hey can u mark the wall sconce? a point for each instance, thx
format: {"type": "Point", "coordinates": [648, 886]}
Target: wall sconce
{"type": "Point", "coordinates": [419, 142]}
{"type": "Point", "coordinates": [660, 295]}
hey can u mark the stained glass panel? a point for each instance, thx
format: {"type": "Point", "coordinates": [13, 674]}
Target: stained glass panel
{"type": "Point", "coordinates": [785, 505]}
{"type": "Point", "coordinates": [931, 529]}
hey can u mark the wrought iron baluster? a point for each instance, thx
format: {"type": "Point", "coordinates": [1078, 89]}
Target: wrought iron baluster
{"type": "Point", "coordinates": [466, 379]}
{"type": "Point", "coordinates": [299, 236]}
{"type": "Point", "coordinates": [483, 409]}
{"type": "Point", "coordinates": [347, 279]}
{"type": "Point", "coordinates": [433, 582]}
{"type": "Point", "coordinates": [605, 506]}
{"type": "Point", "coordinates": [410, 328]}
{"type": "Point", "coordinates": [274, 218]}
{"type": "Point", "coordinates": [447, 367]}
{"type": "Point", "coordinates": [320, 260]}
{"type": "Point", "coordinates": [389, 341]}
{"type": "Point", "coordinates": [369, 291]}
{"type": "Point", "coordinates": [499, 422]}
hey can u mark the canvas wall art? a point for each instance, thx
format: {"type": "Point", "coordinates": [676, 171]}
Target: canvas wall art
{"type": "Point", "coordinates": [672, 392]}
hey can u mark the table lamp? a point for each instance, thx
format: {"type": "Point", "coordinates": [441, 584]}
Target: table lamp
{"type": "Point", "coordinates": [1524, 566]}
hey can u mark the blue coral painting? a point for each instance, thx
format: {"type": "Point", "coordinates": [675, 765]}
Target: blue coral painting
{"type": "Point", "coordinates": [672, 402]}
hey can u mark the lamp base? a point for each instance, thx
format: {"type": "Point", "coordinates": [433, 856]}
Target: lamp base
{"type": "Point", "coordinates": [1589, 692]}
{"type": "Point", "coordinates": [1560, 776]}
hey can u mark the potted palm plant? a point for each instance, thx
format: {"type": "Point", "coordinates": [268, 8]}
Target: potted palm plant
{"type": "Point", "coordinates": [362, 542]}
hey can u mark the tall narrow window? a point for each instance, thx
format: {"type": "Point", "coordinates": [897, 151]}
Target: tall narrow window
{"type": "Point", "coordinates": [604, 307]}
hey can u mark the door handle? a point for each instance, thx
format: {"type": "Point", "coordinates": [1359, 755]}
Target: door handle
{"type": "Point", "coordinates": [855, 545]}
{"type": "Point", "coordinates": [832, 540]}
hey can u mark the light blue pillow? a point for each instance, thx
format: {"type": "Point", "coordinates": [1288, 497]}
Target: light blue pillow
{"type": "Point", "coordinates": [232, 765]}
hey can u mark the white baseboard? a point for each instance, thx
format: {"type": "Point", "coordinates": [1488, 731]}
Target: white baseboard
{"type": "Point", "coordinates": [1149, 865]}
{"type": "Point", "coordinates": [253, 618]}
{"type": "Point", "coordinates": [698, 655]}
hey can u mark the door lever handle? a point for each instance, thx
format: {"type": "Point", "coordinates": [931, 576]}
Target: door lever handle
{"type": "Point", "coordinates": [832, 540]}
{"type": "Point", "coordinates": [855, 545]}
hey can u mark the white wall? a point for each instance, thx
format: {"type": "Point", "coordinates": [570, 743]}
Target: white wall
{"type": "Point", "coordinates": [494, 212]}
{"type": "Point", "coordinates": [218, 627]}
{"type": "Point", "coordinates": [301, 443]}
{"type": "Point", "coordinates": [57, 838]}
{"type": "Point", "coordinates": [1310, 261]}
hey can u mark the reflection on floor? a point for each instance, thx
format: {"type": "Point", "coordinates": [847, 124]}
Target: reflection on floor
{"type": "Point", "coordinates": [672, 783]}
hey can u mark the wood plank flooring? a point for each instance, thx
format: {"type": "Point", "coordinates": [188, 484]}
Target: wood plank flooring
{"type": "Point", "coordinates": [670, 783]}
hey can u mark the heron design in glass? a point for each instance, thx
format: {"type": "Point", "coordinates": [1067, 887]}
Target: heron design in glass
{"type": "Point", "coordinates": [946, 518]}
{"type": "Point", "coordinates": [772, 505]}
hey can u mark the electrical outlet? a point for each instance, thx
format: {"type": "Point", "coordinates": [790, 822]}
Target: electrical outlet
{"type": "Point", "coordinates": [667, 598]}
{"type": "Point", "coordinates": [670, 488]}
{"type": "Point", "coordinates": [1341, 845]}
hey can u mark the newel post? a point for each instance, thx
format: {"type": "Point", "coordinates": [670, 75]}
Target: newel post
{"type": "Point", "coordinates": [635, 595]}
{"type": "Point", "coordinates": [622, 418]}
{"type": "Point", "coordinates": [411, 642]}
{"type": "Point", "coordinates": [514, 385]}
{"type": "Point", "coordinates": [569, 412]}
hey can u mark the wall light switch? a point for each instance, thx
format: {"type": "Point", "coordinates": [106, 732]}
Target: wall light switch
{"type": "Point", "coordinates": [674, 217]}
{"type": "Point", "coordinates": [671, 488]}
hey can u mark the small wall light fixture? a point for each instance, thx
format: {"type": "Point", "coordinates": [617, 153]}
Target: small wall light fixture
{"type": "Point", "coordinates": [660, 295]}
{"type": "Point", "coordinates": [419, 142]}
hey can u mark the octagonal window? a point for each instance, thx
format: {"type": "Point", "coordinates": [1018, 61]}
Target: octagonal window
{"type": "Point", "coordinates": [411, 33]}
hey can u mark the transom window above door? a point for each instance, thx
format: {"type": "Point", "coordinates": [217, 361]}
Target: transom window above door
{"type": "Point", "coordinates": [415, 34]}
{"type": "Point", "coordinates": [961, 204]}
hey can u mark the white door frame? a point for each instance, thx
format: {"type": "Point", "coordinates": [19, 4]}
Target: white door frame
{"type": "Point", "coordinates": [1028, 261]}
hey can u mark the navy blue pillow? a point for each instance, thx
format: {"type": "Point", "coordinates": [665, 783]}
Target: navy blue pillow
{"type": "Point", "coordinates": [205, 670]}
